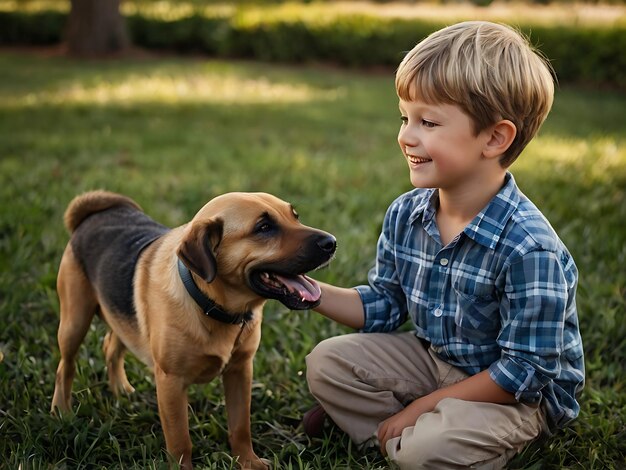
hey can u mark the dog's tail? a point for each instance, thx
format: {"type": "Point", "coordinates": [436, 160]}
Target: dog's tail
{"type": "Point", "coordinates": [88, 203]}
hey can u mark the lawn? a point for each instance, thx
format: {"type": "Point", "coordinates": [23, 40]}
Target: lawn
{"type": "Point", "coordinates": [172, 133]}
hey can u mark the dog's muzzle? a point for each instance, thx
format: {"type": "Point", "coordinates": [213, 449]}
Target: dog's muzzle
{"type": "Point", "coordinates": [286, 280]}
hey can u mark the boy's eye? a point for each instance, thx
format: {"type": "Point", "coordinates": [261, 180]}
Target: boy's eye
{"type": "Point", "coordinates": [424, 122]}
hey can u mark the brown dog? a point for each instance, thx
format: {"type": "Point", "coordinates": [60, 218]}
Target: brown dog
{"type": "Point", "coordinates": [187, 301]}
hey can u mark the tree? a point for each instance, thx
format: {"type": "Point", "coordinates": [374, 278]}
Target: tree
{"type": "Point", "coordinates": [96, 28]}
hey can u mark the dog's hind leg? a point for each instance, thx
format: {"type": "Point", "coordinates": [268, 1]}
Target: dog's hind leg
{"type": "Point", "coordinates": [114, 351]}
{"type": "Point", "coordinates": [78, 305]}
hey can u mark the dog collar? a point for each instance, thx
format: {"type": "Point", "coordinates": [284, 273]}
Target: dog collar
{"type": "Point", "coordinates": [208, 306]}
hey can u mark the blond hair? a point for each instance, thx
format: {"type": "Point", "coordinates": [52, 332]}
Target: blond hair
{"type": "Point", "coordinates": [489, 70]}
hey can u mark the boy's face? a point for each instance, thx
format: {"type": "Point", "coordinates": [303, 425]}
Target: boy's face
{"type": "Point", "coordinates": [440, 145]}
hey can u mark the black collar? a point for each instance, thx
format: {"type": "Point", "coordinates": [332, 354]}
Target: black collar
{"type": "Point", "coordinates": [209, 307]}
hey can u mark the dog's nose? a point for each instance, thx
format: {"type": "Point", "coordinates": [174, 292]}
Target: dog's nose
{"type": "Point", "coordinates": [327, 243]}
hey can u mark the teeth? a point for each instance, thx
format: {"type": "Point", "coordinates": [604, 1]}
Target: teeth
{"type": "Point", "coordinates": [267, 278]}
{"type": "Point", "coordinates": [414, 159]}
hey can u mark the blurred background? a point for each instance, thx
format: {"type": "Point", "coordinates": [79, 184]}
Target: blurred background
{"type": "Point", "coordinates": [585, 41]}
{"type": "Point", "coordinates": [174, 102]}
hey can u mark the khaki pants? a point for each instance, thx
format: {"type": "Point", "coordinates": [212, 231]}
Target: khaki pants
{"type": "Point", "coordinates": [361, 379]}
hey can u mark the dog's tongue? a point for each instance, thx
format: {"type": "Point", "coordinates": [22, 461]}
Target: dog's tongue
{"type": "Point", "coordinates": [303, 285]}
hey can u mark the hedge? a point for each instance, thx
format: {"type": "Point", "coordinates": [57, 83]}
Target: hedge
{"type": "Point", "coordinates": [583, 54]}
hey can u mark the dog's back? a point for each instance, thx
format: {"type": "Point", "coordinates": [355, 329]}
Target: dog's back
{"type": "Point", "coordinates": [109, 232]}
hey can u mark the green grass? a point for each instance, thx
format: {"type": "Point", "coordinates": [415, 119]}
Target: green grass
{"type": "Point", "coordinates": [173, 133]}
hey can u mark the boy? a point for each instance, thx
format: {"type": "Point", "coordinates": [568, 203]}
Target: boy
{"type": "Point", "coordinates": [496, 356]}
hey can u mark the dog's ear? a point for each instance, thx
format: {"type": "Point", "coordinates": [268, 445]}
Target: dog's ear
{"type": "Point", "coordinates": [198, 248]}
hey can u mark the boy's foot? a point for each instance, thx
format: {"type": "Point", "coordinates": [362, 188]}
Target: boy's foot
{"type": "Point", "coordinates": [313, 421]}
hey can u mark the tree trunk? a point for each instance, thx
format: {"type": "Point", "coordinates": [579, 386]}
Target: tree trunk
{"type": "Point", "coordinates": [96, 28]}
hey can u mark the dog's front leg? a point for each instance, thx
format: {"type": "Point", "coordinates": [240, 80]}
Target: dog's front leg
{"type": "Point", "coordinates": [172, 399]}
{"type": "Point", "coordinates": [237, 380]}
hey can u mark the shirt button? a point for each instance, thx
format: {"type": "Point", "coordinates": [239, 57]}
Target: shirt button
{"type": "Point", "coordinates": [438, 312]}
{"type": "Point", "coordinates": [443, 261]}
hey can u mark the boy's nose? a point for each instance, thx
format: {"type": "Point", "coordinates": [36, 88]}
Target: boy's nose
{"type": "Point", "coordinates": [407, 137]}
{"type": "Point", "coordinates": [409, 147]}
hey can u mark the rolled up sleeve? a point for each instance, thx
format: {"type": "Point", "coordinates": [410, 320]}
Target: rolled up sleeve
{"type": "Point", "coordinates": [533, 313]}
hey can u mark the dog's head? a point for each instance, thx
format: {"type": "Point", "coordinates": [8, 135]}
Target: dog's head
{"type": "Point", "coordinates": [254, 242]}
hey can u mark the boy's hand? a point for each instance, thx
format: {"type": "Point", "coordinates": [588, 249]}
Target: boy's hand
{"type": "Point", "coordinates": [393, 427]}
{"type": "Point", "coordinates": [341, 305]}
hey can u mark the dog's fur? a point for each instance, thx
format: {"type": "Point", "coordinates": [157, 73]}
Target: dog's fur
{"type": "Point", "coordinates": [123, 265]}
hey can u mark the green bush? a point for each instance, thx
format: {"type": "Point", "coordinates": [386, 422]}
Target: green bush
{"type": "Point", "coordinates": [588, 55]}
{"type": "Point", "coordinates": [591, 54]}
{"type": "Point", "coordinates": [191, 33]}
{"type": "Point", "coordinates": [37, 28]}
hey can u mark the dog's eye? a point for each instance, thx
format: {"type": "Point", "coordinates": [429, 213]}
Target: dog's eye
{"type": "Point", "coordinates": [264, 227]}
{"type": "Point", "coordinates": [295, 214]}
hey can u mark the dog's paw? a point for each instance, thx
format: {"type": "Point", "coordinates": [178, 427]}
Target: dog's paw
{"type": "Point", "coordinates": [120, 386]}
{"type": "Point", "coordinates": [257, 464]}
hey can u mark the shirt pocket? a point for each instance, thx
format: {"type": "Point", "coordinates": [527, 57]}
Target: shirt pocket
{"type": "Point", "coordinates": [477, 316]}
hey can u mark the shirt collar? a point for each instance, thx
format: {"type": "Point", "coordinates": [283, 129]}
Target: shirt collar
{"type": "Point", "coordinates": [426, 206]}
{"type": "Point", "coordinates": [486, 228]}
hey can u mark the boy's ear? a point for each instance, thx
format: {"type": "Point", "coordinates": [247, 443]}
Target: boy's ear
{"type": "Point", "coordinates": [502, 135]}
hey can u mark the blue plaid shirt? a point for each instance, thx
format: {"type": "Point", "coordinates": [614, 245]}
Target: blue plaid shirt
{"type": "Point", "coordinates": [500, 296]}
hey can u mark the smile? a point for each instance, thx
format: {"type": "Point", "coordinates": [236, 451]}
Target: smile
{"type": "Point", "coordinates": [417, 160]}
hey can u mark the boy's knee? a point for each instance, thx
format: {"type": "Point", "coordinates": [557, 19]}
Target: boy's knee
{"type": "Point", "coordinates": [329, 362]}
{"type": "Point", "coordinates": [321, 359]}
{"type": "Point", "coordinates": [313, 364]}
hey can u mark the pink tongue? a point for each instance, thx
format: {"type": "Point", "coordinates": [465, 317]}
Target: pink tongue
{"type": "Point", "coordinates": [306, 287]}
